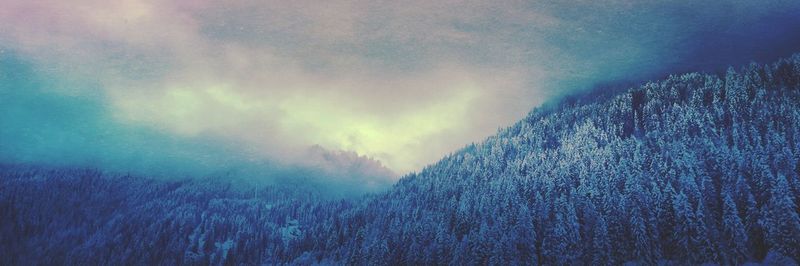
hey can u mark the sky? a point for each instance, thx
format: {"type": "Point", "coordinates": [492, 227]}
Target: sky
{"type": "Point", "coordinates": [360, 92]}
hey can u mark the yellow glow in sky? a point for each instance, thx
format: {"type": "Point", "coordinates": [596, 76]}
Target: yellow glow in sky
{"type": "Point", "coordinates": [395, 139]}
{"type": "Point", "coordinates": [303, 119]}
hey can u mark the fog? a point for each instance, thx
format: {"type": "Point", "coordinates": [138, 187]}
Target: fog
{"type": "Point", "coordinates": [345, 94]}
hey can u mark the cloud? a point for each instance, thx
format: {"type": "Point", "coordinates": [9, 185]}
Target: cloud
{"type": "Point", "coordinates": [400, 82]}
{"type": "Point", "coordinates": [281, 76]}
{"type": "Point", "coordinates": [38, 126]}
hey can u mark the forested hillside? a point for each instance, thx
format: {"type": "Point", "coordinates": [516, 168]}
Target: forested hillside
{"type": "Point", "coordinates": [695, 168]}
{"type": "Point", "coordinates": [84, 217]}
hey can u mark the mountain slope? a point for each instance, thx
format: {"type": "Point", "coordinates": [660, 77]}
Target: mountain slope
{"type": "Point", "coordinates": [85, 217]}
{"type": "Point", "coordinates": [695, 168]}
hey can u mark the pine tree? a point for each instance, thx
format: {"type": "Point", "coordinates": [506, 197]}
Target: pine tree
{"type": "Point", "coordinates": [700, 237]}
{"type": "Point", "coordinates": [601, 245]}
{"type": "Point", "coordinates": [783, 222]}
{"type": "Point", "coordinates": [641, 238]}
{"type": "Point", "coordinates": [666, 222]}
{"type": "Point", "coordinates": [684, 218]}
{"type": "Point", "coordinates": [755, 229]}
{"type": "Point", "coordinates": [734, 235]}
{"type": "Point", "coordinates": [524, 239]}
{"type": "Point", "coordinates": [561, 242]}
